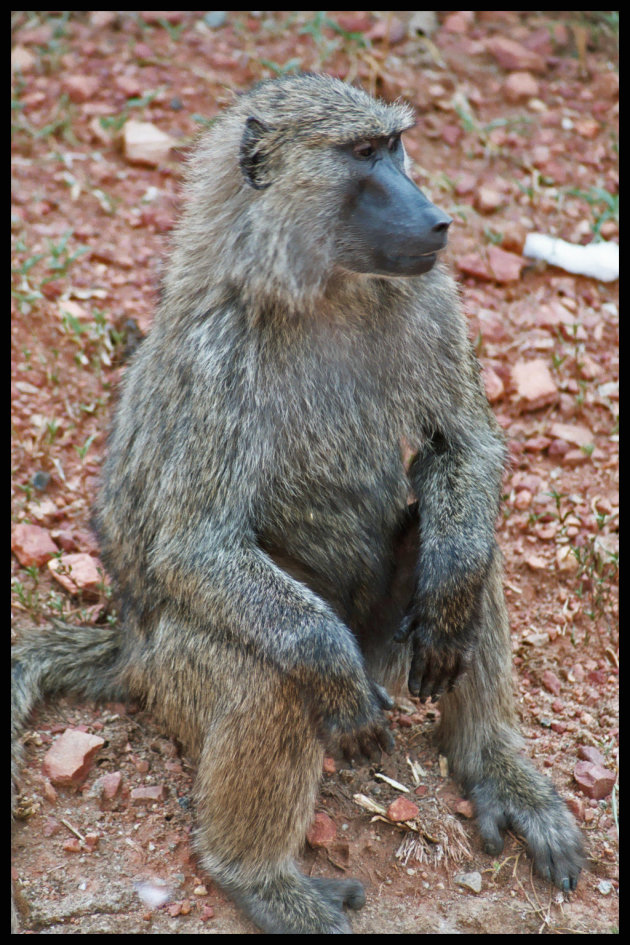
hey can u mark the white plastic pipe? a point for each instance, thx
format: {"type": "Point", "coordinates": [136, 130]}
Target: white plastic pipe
{"type": "Point", "coordinates": [599, 260]}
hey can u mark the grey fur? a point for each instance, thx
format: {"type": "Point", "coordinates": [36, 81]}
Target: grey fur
{"type": "Point", "coordinates": [253, 514]}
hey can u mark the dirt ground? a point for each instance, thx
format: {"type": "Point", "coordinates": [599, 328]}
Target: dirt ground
{"type": "Point", "coordinates": [504, 156]}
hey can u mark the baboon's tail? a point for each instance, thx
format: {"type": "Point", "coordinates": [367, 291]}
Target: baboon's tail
{"type": "Point", "coordinates": [62, 659]}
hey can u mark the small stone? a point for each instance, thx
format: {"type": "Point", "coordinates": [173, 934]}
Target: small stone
{"type": "Point", "coordinates": [577, 807]}
{"type": "Point", "coordinates": [504, 266]}
{"type": "Point", "coordinates": [32, 545]}
{"type": "Point", "coordinates": [49, 792]}
{"type": "Point", "coordinates": [520, 86]}
{"type": "Point", "coordinates": [589, 369]}
{"type": "Point", "coordinates": [471, 264]}
{"type": "Point", "coordinates": [523, 499]}
{"type": "Point", "coordinates": [144, 143]}
{"type": "Point", "coordinates": [536, 639]}
{"type": "Point", "coordinates": [535, 387]}
{"type": "Point", "coordinates": [471, 881]}
{"type": "Point", "coordinates": [80, 88]}
{"type": "Point", "coordinates": [590, 753]}
{"type": "Point", "coordinates": [107, 786]}
{"type": "Point", "coordinates": [70, 757]}
{"type": "Point", "coordinates": [493, 384]}
{"type": "Point", "coordinates": [536, 444]}
{"type": "Point", "coordinates": [402, 810]}
{"type": "Point", "coordinates": [40, 480]}
{"type": "Point", "coordinates": [43, 511]}
{"type": "Point", "coordinates": [566, 560]}
{"type": "Point", "coordinates": [575, 458]}
{"type": "Point", "coordinates": [588, 127]}
{"type": "Point", "coordinates": [155, 16]}
{"type": "Point", "coordinates": [511, 55]}
{"type": "Point", "coordinates": [51, 827]}
{"type": "Point", "coordinates": [92, 840]}
{"type": "Point", "coordinates": [551, 682]}
{"type": "Point", "coordinates": [329, 766]}
{"type": "Point", "coordinates": [464, 808]}
{"type": "Point", "coordinates": [571, 433]}
{"type": "Point", "coordinates": [143, 796]}
{"type": "Point", "coordinates": [22, 60]}
{"type": "Point", "coordinates": [594, 781]}
{"type": "Point", "coordinates": [558, 448]}
{"type": "Point", "coordinates": [489, 199]}
{"type": "Point", "coordinates": [322, 831]}
{"type": "Point", "coordinates": [459, 22]}
{"type": "Point", "coordinates": [535, 563]}
{"type": "Point", "coordinates": [77, 572]}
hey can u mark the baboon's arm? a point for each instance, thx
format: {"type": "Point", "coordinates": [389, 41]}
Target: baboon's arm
{"type": "Point", "coordinates": [457, 480]}
{"type": "Point", "coordinates": [238, 594]}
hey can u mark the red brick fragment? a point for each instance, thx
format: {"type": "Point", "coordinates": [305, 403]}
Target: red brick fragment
{"type": "Point", "coordinates": [70, 758]}
{"type": "Point", "coordinates": [401, 810]}
{"type": "Point", "coordinates": [32, 545]}
{"type": "Point", "coordinates": [594, 781]}
{"type": "Point", "coordinates": [322, 831]}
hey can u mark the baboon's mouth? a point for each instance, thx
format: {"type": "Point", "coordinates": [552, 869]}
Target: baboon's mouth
{"type": "Point", "coordinates": [414, 265]}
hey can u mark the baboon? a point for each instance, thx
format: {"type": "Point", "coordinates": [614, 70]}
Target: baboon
{"type": "Point", "coordinates": [275, 578]}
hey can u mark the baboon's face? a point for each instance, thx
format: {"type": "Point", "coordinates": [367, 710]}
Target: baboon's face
{"type": "Point", "coordinates": [387, 226]}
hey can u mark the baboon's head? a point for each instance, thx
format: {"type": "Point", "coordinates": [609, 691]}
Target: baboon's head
{"type": "Point", "coordinates": [313, 129]}
{"type": "Point", "coordinates": [302, 179]}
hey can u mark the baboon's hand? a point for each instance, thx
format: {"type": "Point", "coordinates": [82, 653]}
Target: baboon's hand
{"type": "Point", "coordinates": [359, 727]}
{"type": "Point", "coordinates": [369, 741]}
{"type": "Point", "coordinates": [438, 657]}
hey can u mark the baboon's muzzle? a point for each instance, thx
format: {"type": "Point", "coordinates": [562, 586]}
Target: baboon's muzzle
{"type": "Point", "coordinates": [395, 229]}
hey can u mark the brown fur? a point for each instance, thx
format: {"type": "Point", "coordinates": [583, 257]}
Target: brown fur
{"type": "Point", "coordinates": [253, 514]}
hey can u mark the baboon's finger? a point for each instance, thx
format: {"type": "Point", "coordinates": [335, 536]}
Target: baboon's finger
{"type": "Point", "coordinates": [406, 628]}
{"type": "Point", "coordinates": [383, 697]}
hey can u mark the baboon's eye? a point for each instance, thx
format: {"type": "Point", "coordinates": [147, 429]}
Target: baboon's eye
{"type": "Point", "coordinates": [364, 149]}
{"type": "Point", "coordinates": [393, 142]}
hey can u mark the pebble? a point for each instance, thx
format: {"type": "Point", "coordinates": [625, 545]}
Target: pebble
{"type": "Point", "coordinates": [70, 757]}
{"type": "Point", "coordinates": [596, 782]}
{"type": "Point", "coordinates": [471, 881]}
{"type": "Point", "coordinates": [401, 810]}
{"type": "Point", "coordinates": [322, 831]}
{"type": "Point", "coordinates": [32, 545]}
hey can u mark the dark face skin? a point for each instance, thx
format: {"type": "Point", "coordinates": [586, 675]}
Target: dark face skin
{"type": "Point", "coordinates": [389, 227]}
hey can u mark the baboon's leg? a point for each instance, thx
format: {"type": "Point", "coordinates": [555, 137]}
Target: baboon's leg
{"type": "Point", "coordinates": [477, 730]}
{"type": "Point", "coordinates": [259, 767]}
{"type": "Point", "coordinates": [256, 788]}
{"type": "Point", "coordinates": [478, 734]}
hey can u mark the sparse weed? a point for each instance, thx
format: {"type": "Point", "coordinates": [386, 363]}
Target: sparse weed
{"type": "Point", "coordinates": [115, 122]}
{"type": "Point", "coordinates": [598, 566]}
{"type": "Point", "coordinates": [604, 206]}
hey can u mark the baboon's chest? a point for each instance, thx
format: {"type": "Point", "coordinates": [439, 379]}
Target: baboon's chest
{"type": "Point", "coordinates": [337, 491]}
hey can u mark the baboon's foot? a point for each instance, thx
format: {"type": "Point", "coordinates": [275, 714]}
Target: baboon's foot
{"type": "Point", "coordinates": [301, 905]}
{"type": "Point", "coordinates": [533, 809]}
{"type": "Point", "coordinates": [340, 892]}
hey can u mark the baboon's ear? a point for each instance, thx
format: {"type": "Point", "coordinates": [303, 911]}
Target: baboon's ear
{"type": "Point", "coordinates": [252, 153]}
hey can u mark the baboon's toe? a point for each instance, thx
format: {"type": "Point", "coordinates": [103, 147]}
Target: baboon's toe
{"type": "Point", "coordinates": [541, 818]}
{"type": "Point", "coordinates": [341, 892]}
